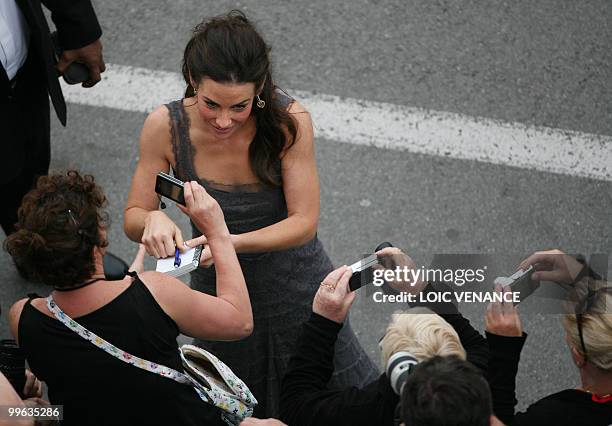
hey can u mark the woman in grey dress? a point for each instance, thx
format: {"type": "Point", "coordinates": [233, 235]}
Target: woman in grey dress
{"type": "Point", "coordinates": [251, 147]}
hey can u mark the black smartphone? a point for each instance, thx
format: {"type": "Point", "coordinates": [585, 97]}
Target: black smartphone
{"type": "Point", "coordinates": [76, 72]}
{"type": "Point", "coordinates": [170, 187]}
{"type": "Point", "coordinates": [523, 284]}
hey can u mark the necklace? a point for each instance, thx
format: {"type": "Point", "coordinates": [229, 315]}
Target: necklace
{"type": "Point", "coordinates": [86, 283]}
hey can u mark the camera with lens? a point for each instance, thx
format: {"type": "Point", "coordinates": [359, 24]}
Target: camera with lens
{"type": "Point", "coordinates": [399, 367]}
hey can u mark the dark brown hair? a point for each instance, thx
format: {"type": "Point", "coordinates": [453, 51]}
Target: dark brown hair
{"type": "Point", "coordinates": [229, 49]}
{"type": "Point", "coordinates": [446, 390]}
{"type": "Point", "coordinates": [59, 225]}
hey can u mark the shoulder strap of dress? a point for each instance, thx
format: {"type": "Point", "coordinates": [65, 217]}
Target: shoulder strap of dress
{"type": "Point", "coordinates": [283, 98]}
{"type": "Point", "coordinates": [32, 296]}
{"type": "Point", "coordinates": [181, 145]}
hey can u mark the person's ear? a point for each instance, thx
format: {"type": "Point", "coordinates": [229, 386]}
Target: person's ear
{"type": "Point", "coordinates": [98, 258]}
{"type": "Point", "coordinates": [259, 90]}
{"type": "Point", "coordinates": [577, 357]}
{"type": "Point", "coordinates": [192, 82]}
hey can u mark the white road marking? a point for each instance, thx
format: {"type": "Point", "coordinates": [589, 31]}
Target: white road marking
{"type": "Point", "coordinates": [388, 126]}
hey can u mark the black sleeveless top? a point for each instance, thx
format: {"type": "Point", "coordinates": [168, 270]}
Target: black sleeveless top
{"type": "Point", "coordinates": [97, 389]}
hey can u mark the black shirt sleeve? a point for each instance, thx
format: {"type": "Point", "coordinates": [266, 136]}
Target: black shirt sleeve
{"type": "Point", "coordinates": [505, 354]}
{"type": "Point", "coordinates": [305, 399]}
{"type": "Point", "coordinates": [76, 22]}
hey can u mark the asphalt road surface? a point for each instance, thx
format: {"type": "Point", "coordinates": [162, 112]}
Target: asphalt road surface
{"type": "Point", "coordinates": [543, 64]}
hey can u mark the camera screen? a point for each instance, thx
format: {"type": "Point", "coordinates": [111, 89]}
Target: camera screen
{"type": "Point", "coordinates": [170, 190]}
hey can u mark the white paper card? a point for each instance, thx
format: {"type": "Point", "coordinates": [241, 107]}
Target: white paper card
{"type": "Point", "coordinates": [189, 261]}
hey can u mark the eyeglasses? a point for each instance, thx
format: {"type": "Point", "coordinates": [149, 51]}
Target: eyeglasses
{"type": "Point", "coordinates": [583, 307]}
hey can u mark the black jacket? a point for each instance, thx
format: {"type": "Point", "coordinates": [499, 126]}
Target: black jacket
{"type": "Point", "coordinates": [569, 407]}
{"type": "Point", "coordinates": [77, 26]}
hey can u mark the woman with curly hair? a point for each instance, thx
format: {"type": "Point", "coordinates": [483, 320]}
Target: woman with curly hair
{"type": "Point", "coordinates": [61, 241]}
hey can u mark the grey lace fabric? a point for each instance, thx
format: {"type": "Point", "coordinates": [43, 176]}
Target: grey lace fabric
{"type": "Point", "coordinates": [281, 284]}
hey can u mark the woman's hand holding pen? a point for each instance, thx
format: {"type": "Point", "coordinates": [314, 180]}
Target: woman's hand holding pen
{"type": "Point", "coordinates": [161, 235]}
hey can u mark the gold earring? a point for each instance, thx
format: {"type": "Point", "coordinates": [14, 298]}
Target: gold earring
{"type": "Point", "coordinates": [260, 102]}
{"type": "Point", "coordinates": [195, 91]}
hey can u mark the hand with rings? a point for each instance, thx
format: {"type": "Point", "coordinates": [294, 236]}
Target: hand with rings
{"type": "Point", "coordinates": [331, 287]}
{"type": "Point", "coordinates": [333, 299]}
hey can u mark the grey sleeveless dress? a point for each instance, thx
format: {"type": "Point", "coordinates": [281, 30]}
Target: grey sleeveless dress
{"type": "Point", "coordinates": [281, 284]}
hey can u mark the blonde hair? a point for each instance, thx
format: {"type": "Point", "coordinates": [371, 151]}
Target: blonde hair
{"type": "Point", "coordinates": [422, 333]}
{"type": "Point", "coordinates": [596, 325]}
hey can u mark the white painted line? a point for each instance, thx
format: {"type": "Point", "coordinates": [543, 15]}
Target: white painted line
{"type": "Point", "coordinates": [389, 126]}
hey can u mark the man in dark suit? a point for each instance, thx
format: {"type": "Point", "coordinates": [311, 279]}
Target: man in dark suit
{"type": "Point", "coordinates": [28, 77]}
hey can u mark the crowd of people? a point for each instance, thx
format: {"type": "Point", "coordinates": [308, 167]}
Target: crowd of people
{"type": "Point", "coordinates": [266, 307]}
{"type": "Point", "coordinates": [439, 370]}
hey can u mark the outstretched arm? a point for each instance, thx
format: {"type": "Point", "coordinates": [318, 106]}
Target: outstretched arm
{"type": "Point", "coordinates": [305, 399]}
{"type": "Point", "coordinates": [227, 316]}
{"type": "Point", "coordinates": [505, 338]}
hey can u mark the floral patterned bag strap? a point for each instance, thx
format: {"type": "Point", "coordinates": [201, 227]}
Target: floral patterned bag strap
{"type": "Point", "coordinates": [111, 349]}
{"type": "Point", "coordinates": [235, 405]}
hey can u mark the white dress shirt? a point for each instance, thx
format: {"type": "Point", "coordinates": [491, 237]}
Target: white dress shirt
{"type": "Point", "coordinates": [13, 37]}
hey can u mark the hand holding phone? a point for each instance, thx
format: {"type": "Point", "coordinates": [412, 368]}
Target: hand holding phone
{"type": "Point", "coordinates": [76, 72]}
{"type": "Point", "coordinates": [503, 319]}
{"type": "Point", "coordinates": [520, 282]}
{"type": "Point", "coordinates": [204, 211]}
{"type": "Point", "coordinates": [363, 270]}
{"type": "Point", "coordinates": [333, 299]}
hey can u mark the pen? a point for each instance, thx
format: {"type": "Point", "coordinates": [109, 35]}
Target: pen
{"type": "Point", "coordinates": [177, 258]}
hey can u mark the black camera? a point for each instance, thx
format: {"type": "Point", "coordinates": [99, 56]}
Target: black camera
{"type": "Point", "coordinates": [12, 364]}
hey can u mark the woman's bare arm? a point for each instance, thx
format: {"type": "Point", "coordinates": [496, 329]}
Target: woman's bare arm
{"type": "Point", "coordinates": [141, 210]}
{"type": "Point", "coordinates": [301, 189]}
{"type": "Point", "coordinates": [227, 316]}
